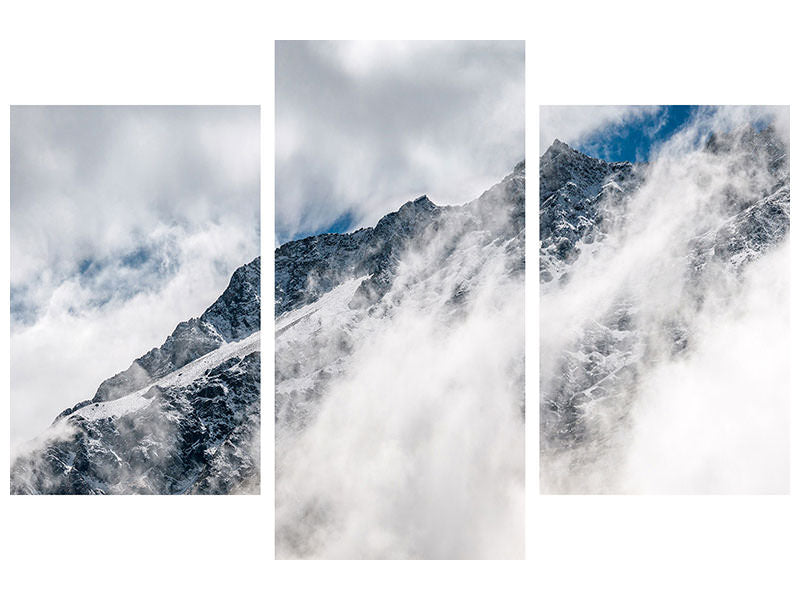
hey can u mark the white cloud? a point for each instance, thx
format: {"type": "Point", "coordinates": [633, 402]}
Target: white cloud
{"type": "Point", "coordinates": [717, 421]}
{"type": "Point", "coordinates": [87, 181]}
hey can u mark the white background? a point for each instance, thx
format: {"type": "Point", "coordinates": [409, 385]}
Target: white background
{"type": "Point", "coordinates": [222, 53]}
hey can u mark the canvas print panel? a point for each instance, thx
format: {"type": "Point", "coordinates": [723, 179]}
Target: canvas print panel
{"type": "Point", "coordinates": [135, 233]}
{"type": "Point", "coordinates": [399, 300]}
{"type": "Point", "coordinates": [664, 299]}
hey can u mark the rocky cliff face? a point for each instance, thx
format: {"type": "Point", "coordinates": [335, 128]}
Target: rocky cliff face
{"type": "Point", "coordinates": [581, 200]}
{"type": "Point", "coordinates": [632, 257]}
{"type": "Point", "coordinates": [184, 418]}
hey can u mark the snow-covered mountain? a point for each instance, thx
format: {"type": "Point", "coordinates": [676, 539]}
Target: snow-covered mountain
{"type": "Point", "coordinates": [400, 384]}
{"type": "Point", "coordinates": [643, 268]}
{"type": "Point", "coordinates": [183, 418]}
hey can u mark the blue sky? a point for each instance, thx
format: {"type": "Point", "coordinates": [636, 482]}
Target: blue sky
{"type": "Point", "coordinates": [347, 221]}
{"type": "Point", "coordinates": [635, 139]}
{"type": "Point", "coordinates": [635, 133]}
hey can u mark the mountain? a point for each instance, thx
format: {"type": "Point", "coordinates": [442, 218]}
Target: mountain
{"type": "Point", "coordinates": [635, 261]}
{"type": "Point", "coordinates": [306, 269]}
{"type": "Point", "coordinates": [183, 418]}
{"type": "Point", "coordinates": [579, 196]}
{"type": "Point", "coordinates": [391, 342]}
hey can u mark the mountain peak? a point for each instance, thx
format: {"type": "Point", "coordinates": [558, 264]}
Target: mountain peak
{"type": "Point", "coordinates": [305, 270]}
{"type": "Point", "coordinates": [558, 147]}
{"type": "Point", "coordinates": [421, 203]}
{"type": "Point", "coordinates": [235, 315]}
{"type": "Point", "coordinates": [183, 418]}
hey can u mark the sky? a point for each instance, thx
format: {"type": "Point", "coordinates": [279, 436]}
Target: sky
{"type": "Point", "coordinates": [124, 222]}
{"type": "Point", "coordinates": [363, 127]}
{"type": "Point", "coordinates": [630, 133]}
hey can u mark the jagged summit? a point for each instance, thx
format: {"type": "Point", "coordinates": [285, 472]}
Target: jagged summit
{"type": "Point", "coordinates": [306, 269]}
{"type": "Point", "coordinates": [559, 150]}
{"type": "Point", "coordinates": [233, 316]}
{"type": "Point", "coordinates": [575, 191]}
{"type": "Point", "coordinates": [409, 212]}
{"type": "Point", "coordinates": [237, 312]}
{"type": "Point", "coordinates": [558, 147]}
{"type": "Point", "coordinates": [580, 197]}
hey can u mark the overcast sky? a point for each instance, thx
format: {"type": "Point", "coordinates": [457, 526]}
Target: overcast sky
{"type": "Point", "coordinates": [124, 222]}
{"type": "Point", "coordinates": [363, 127]}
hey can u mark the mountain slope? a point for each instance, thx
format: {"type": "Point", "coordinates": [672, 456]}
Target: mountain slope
{"type": "Point", "coordinates": [638, 264]}
{"type": "Point", "coordinates": [184, 418]}
{"type": "Point", "coordinates": [308, 268]}
{"type": "Point", "coordinates": [399, 360]}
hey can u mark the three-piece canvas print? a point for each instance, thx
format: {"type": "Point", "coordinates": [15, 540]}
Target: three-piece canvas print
{"type": "Point", "coordinates": [400, 392]}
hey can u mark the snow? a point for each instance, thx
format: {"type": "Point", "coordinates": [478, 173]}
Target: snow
{"type": "Point", "coordinates": [330, 311]}
{"type": "Point", "coordinates": [186, 374]}
{"type": "Point", "coordinates": [613, 185]}
{"type": "Point", "coordinates": [330, 304]}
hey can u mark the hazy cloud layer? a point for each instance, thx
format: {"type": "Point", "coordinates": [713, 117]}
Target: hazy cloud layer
{"type": "Point", "coordinates": [124, 221]}
{"type": "Point", "coordinates": [363, 127]}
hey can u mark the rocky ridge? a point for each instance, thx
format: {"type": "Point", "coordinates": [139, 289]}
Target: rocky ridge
{"type": "Point", "coordinates": [306, 269]}
{"type": "Point", "coordinates": [330, 287]}
{"type": "Point", "coordinates": [184, 418]}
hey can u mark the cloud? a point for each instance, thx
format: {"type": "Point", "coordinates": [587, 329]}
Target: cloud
{"type": "Point", "coordinates": [87, 181]}
{"type": "Point", "coordinates": [572, 124]}
{"type": "Point", "coordinates": [124, 222]}
{"type": "Point", "coordinates": [363, 127]}
{"type": "Point", "coordinates": [717, 421]}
